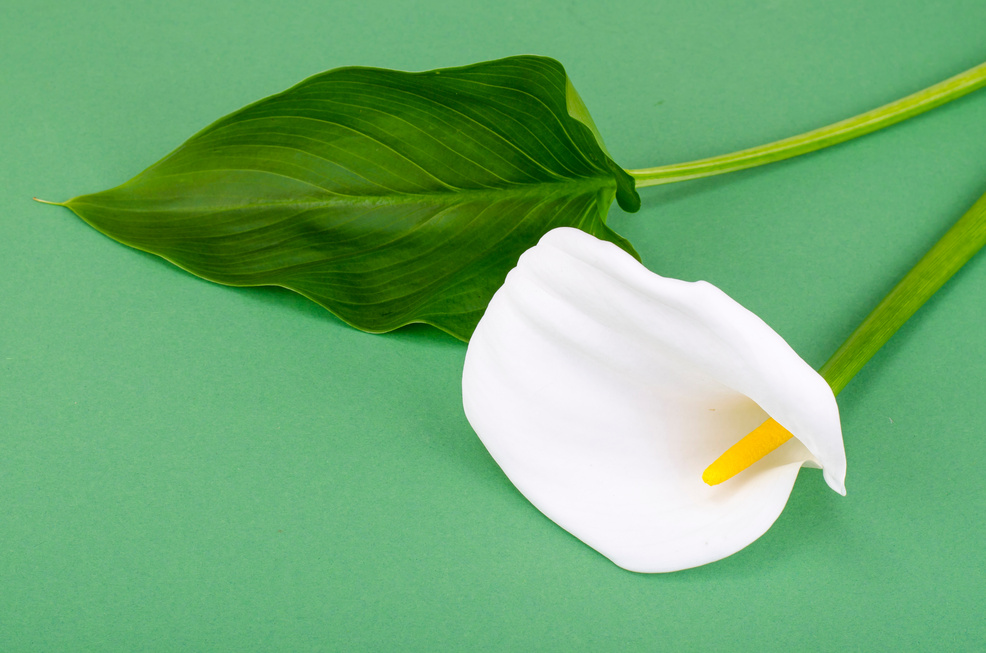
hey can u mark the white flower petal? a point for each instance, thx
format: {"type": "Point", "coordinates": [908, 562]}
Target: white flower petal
{"type": "Point", "coordinates": [603, 391]}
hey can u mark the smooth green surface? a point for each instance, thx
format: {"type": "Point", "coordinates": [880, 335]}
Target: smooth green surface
{"type": "Point", "coordinates": [939, 264]}
{"type": "Point", "coordinates": [865, 123]}
{"type": "Point", "coordinates": [388, 197]}
{"type": "Point", "coordinates": [184, 465]}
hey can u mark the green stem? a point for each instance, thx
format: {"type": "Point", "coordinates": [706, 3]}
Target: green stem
{"type": "Point", "coordinates": [957, 246]}
{"type": "Point", "coordinates": [845, 130]}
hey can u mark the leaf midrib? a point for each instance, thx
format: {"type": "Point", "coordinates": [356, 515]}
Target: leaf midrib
{"type": "Point", "coordinates": [582, 185]}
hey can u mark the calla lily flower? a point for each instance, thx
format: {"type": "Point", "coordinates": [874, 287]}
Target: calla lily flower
{"type": "Point", "coordinates": [604, 390]}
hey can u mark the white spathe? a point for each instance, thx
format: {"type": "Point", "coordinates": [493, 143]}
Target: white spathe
{"type": "Point", "coordinates": [603, 391]}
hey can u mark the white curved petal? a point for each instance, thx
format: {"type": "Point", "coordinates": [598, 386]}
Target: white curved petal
{"type": "Point", "coordinates": [603, 391]}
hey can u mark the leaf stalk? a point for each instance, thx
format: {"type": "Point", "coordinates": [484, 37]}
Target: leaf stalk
{"type": "Point", "coordinates": [864, 123]}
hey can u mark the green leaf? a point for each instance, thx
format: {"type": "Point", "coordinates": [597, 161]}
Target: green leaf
{"type": "Point", "coordinates": [387, 197]}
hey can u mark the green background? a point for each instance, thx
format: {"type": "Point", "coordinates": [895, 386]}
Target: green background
{"type": "Point", "coordinates": [185, 466]}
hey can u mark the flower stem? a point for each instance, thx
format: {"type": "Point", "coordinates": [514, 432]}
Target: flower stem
{"type": "Point", "coordinates": [956, 247]}
{"type": "Point", "coordinates": [839, 132]}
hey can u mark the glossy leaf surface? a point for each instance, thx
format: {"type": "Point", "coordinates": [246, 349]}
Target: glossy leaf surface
{"type": "Point", "coordinates": [387, 197]}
